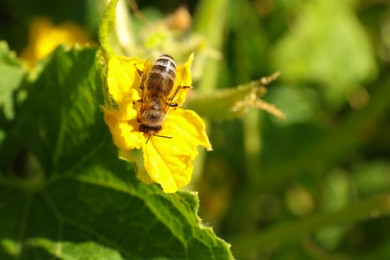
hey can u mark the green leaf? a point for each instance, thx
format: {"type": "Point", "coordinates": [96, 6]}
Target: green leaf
{"type": "Point", "coordinates": [60, 111]}
{"type": "Point", "coordinates": [94, 209]}
{"type": "Point", "coordinates": [12, 74]}
{"type": "Point", "coordinates": [327, 45]}
{"type": "Point", "coordinates": [87, 203]}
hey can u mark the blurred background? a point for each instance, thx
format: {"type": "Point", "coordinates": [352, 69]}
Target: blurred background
{"type": "Point", "coordinates": [311, 186]}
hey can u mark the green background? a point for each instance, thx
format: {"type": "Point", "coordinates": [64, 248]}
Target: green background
{"type": "Point", "coordinates": [314, 186]}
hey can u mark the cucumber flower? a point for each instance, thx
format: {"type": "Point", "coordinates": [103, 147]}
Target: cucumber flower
{"type": "Point", "coordinates": [166, 161]}
{"type": "Point", "coordinates": [44, 37]}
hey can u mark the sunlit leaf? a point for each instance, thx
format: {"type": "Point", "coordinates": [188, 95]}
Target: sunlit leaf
{"type": "Point", "coordinates": [12, 73]}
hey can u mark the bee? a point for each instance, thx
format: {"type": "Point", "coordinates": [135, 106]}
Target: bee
{"type": "Point", "coordinates": [157, 82]}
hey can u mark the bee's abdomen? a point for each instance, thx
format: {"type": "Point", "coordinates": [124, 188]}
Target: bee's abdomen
{"type": "Point", "coordinates": [163, 74]}
{"type": "Point", "coordinates": [165, 64]}
{"type": "Point", "coordinates": [150, 129]}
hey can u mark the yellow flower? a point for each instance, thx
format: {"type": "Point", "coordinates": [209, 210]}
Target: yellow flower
{"type": "Point", "coordinates": [44, 37]}
{"type": "Point", "coordinates": [167, 161]}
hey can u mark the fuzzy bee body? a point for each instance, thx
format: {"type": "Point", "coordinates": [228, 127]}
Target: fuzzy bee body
{"type": "Point", "coordinates": [156, 85]}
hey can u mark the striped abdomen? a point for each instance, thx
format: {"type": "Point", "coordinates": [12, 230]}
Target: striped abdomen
{"type": "Point", "coordinates": [162, 76]}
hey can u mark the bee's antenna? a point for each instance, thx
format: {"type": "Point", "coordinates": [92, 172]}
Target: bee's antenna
{"type": "Point", "coordinates": [147, 140]}
{"type": "Point", "coordinates": [163, 136]}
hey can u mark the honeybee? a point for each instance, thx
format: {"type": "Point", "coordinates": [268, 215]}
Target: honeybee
{"type": "Point", "coordinates": [157, 81]}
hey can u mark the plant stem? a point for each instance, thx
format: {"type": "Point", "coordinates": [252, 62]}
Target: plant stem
{"type": "Point", "coordinates": [210, 19]}
{"type": "Point", "coordinates": [377, 206]}
{"type": "Point", "coordinates": [221, 103]}
{"type": "Point", "coordinates": [107, 25]}
{"type": "Point", "coordinates": [210, 22]}
{"type": "Point", "coordinates": [252, 144]}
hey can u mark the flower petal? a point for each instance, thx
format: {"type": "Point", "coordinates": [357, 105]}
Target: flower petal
{"type": "Point", "coordinates": [169, 161]}
{"type": "Point", "coordinates": [44, 37]}
{"type": "Point", "coordinates": [122, 81]}
{"type": "Point", "coordinates": [183, 79]}
{"type": "Point", "coordinates": [189, 125]}
{"type": "Point", "coordinates": [123, 77]}
{"type": "Point", "coordinates": [123, 132]}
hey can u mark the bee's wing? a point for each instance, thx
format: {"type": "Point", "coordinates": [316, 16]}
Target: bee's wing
{"type": "Point", "coordinates": [181, 87]}
{"type": "Point", "coordinates": [144, 77]}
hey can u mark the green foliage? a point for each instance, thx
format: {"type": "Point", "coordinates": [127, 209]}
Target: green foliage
{"type": "Point", "coordinates": [12, 74]}
{"type": "Point", "coordinates": [106, 27]}
{"type": "Point", "coordinates": [317, 50]}
{"type": "Point", "coordinates": [65, 194]}
{"type": "Point", "coordinates": [314, 186]}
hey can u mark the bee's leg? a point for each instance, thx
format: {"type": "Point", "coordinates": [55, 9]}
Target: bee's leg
{"type": "Point", "coordinates": [174, 95]}
{"type": "Point", "coordinates": [175, 105]}
{"type": "Point", "coordinates": [183, 87]}
{"type": "Point", "coordinates": [139, 101]}
{"type": "Point", "coordinates": [170, 100]}
{"type": "Point", "coordinates": [140, 72]}
{"type": "Point", "coordinates": [180, 88]}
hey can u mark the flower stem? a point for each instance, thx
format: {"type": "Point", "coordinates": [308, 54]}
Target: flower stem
{"type": "Point", "coordinates": [107, 25]}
